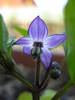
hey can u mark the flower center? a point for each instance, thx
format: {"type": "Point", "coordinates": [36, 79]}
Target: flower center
{"type": "Point", "coordinates": [38, 44]}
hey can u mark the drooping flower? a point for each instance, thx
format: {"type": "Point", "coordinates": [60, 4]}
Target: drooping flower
{"type": "Point", "coordinates": [38, 37]}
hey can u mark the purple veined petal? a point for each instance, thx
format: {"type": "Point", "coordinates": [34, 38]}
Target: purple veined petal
{"type": "Point", "coordinates": [27, 50]}
{"type": "Point", "coordinates": [54, 40]}
{"type": "Point", "coordinates": [38, 29]}
{"type": "Point", "coordinates": [24, 41]}
{"type": "Point", "coordinates": [46, 57]}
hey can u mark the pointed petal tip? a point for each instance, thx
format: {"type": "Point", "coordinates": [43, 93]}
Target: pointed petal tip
{"type": "Point", "coordinates": [37, 17]}
{"type": "Point", "coordinates": [23, 41]}
{"type": "Point", "coordinates": [64, 37]}
{"type": "Point", "coordinates": [54, 40]}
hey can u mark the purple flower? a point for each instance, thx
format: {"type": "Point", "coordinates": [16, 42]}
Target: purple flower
{"type": "Point", "coordinates": [38, 37]}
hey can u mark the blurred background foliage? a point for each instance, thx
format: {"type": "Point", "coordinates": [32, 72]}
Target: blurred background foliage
{"type": "Point", "coordinates": [22, 12]}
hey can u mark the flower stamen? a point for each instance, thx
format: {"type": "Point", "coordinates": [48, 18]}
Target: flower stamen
{"type": "Point", "coordinates": [38, 44]}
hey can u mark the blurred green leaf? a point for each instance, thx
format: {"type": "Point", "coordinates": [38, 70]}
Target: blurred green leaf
{"type": "Point", "coordinates": [3, 35]}
{"type": "Point", "coordinates": [25, 96]}
{"type": "Point", "coordinates": [10, 42]}
{"type": "Point", "coordinates": [48, 94]}
{"type": "Point", "coordinates": [10, 51]}
{"type": "Point", "coordinates": [70, 44]}
{"type": "Point", "coordinates": [22, 31]}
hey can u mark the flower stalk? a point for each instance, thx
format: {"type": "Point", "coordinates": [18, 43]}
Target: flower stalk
{"type": "Point", "coordinates": [46, 78]}
{"type": "Point", "coordinates": [36, 96]}
{"type": "Point", "coordinates": [37, 73]}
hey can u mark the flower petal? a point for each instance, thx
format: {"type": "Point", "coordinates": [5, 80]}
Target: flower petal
{"type": "Point", "coordinates": [24, 41]}
{"type": "Point", "coordinates": [54, 40]}
{"type": "Point", "coordinates": [27, 50]}
{"type": "Point", "coordinates": [46, 57]}
{"type": "Point", "coordinates": [38, 29]}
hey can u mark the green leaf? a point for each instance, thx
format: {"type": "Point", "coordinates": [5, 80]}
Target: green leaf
{"type": "Point", "coordinates": [70, 44]}
{"type": "Point", "coordinates": [11, 40]}
{"type": "Point", "coordinates": [48, 94]}
{"type": "Point", "coordinates": [3, 35]}
{"type": "Point", "coordinates": [25, 96]}
{"type": "Point", "coordinates": [22, 31]}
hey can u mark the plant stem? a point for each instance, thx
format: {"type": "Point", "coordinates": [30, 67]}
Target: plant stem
{"type": "Point", "coordinates": [36, 96]}
{"type": "Point", "coordinates": [37, 73]}
{"type": "Point", "coordinates": [21, 78]}
{"type": "Point", "coordinates": [63, 90]}
{"type": "Point", "coordinates": [46, 77]}
{"type": "Point", "coordinates": [45, 84]}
